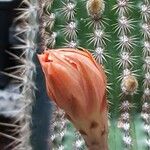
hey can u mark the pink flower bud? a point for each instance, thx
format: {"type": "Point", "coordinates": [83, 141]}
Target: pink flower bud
{"type": "Point", "coordinates": [77, 84]}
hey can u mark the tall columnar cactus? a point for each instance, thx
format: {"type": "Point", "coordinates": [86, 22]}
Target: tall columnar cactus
{"type": "Point", "coordinates": [25, 74]}
{"type": "Point", "coordinates": [27, 70]}
{"type": "Point", "coordinates": [117, 33]}
{"type": "Point", "coordinates": [29, 31]}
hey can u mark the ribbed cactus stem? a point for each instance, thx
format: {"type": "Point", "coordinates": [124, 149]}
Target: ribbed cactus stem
{"type": "Point", "coordinates": [28, 17]}
{"type": "Point", "coordinates": [129, 83]}
{"type": "Point", "coordinates": [145, 114]}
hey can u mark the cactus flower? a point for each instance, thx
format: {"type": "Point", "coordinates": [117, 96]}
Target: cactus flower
{"type": "Point", "coordinates": [77, 84]}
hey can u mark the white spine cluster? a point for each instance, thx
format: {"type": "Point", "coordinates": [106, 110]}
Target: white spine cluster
{"type": "Point", "coordinates": [100, 55]}
{"type": "Point", "coordinates": [145, 29]}
{"type": "Point", "coordinates": [79, 143]}
{"type": "Point", "coordinates": [70, 30]}
{"type": "Point", "coordinates": [71, 44]}
{"type": "Point", "coordinates": [126, 42]}
{"type": "Point", "coordinates": [126, 60]}
{"type": "Point", "coordinates": [123, 7]}
{"type": "Point", "coordinates": [50, 39]}
{"type": "Point", "coordinates": [98, 38]}
{"type": "Point", "coordinates": [68, 10]}
{"type": "Point", "coordinates": [146, 48]}
{"type": "Point", "coordinates": [145, 10]}
{"type": "Point", "coordinates": [124, 25]}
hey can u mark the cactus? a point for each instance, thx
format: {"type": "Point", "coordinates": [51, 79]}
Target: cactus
{"type": "Point", "coordinates": [24, 76]}
{"type": "Point", "coordinates": [117, 33]}
{"type": "Point", "coordinates": [29, 30]}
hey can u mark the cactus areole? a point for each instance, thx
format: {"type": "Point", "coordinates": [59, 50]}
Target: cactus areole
{"type": "Point", "coordinates": [77, 84]}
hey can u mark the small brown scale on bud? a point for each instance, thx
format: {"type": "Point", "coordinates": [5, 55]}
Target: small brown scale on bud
{"type": "Point", "coordinates": [95, 8]}
{"type": "Point", "coordinates": [129, 84]}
